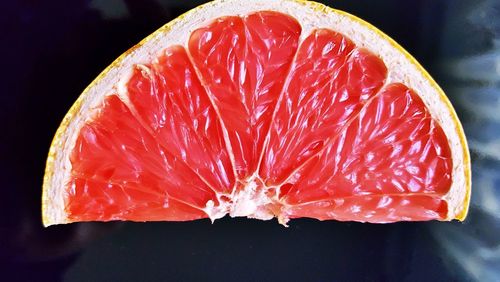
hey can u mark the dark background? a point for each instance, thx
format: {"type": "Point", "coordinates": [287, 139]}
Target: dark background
{"type": "Point", "coordinates": [51, 50]}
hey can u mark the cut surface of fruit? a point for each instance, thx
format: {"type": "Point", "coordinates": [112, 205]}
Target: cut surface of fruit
{"type": "Point", "coordinates": [270, 109]}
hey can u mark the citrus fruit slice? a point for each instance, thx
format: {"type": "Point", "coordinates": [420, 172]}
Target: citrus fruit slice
{"type": "Point", "coordinates": [269, 109]}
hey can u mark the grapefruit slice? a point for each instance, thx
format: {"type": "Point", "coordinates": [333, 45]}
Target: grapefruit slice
{"type": "Point", "coordinates": [269, 109]}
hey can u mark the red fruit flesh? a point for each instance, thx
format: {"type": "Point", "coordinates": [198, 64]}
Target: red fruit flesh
{"type": "Point", "coordinates": [312, 125]}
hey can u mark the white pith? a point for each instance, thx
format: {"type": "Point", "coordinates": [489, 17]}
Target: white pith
{"type": "Point", "coordinates": [249, 201]}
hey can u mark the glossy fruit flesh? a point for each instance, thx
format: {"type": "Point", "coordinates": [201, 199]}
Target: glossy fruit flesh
{"type": "Point", "coordinates": [249, 119]}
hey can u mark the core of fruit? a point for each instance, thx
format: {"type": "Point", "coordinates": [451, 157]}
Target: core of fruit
{"type": "Point", "coordinates": [264, 109]}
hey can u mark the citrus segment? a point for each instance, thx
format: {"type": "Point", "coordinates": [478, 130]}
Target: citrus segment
{"type": "Point", "coordinates": [392, 148]}
{"type": "Point", "coordinates": [243, 61]}
{"type": "Point", "coordinates": [173, 106]}
{"type": "Point", "coordinates": [101, 200]}
{"type": "Point", "coordinates": [328, 84]}
{"type": "Point", "coordinates": [140, 173]}
{"type": "Point", "coordinates": [373, 208]}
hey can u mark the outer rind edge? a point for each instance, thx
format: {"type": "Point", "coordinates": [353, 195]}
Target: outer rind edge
{"type": "Point", "coordinates": [75, 108]}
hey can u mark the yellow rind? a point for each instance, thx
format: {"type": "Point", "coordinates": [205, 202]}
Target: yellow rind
{"type": "Point", "coordinates": [75, 108]}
